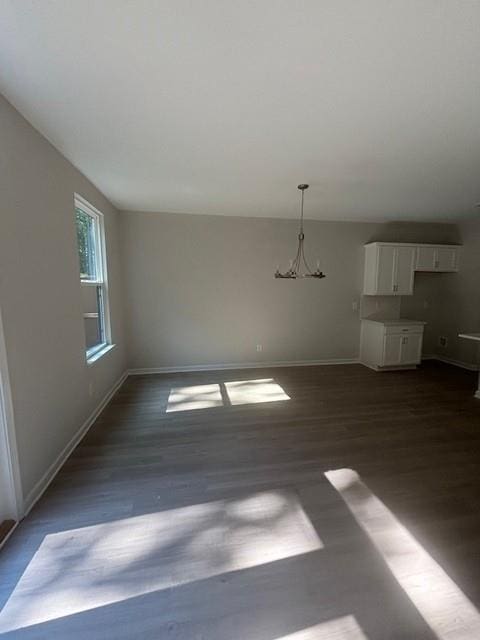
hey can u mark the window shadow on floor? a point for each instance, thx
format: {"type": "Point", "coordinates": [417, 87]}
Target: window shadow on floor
{"type": "Point", "coordinates": [331, 579]}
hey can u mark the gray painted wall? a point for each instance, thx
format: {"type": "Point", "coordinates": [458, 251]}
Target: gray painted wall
{"type": "Point", "coordinates": [453, 301]}
{"type": "Point", "coordinates": [459, 310]}
{"type": "Point", "coordinates": [41, 299]}
{"type": "Point", "coordinates": [200, 289]}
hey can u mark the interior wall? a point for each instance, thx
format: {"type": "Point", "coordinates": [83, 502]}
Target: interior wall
{"type": "Point", "coordinates": [200, 289]}
{"type": "Point", "coordinates": [53, 389]}
{"type": "Point", "coordinates": [459, 308]}
{"type": "Point", "coordinates": [450, 302]}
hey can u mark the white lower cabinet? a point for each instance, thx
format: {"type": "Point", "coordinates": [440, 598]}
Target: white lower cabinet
{"type": "Point", "coordinates": [411, 349]}
{"type": "Point", "coordinates": [392, 350]}
{"type": "Point", "coordinates": [391, 344]}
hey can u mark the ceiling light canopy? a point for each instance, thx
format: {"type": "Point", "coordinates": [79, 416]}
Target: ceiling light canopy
{"type": "Point", "coordinates": [296, 264]}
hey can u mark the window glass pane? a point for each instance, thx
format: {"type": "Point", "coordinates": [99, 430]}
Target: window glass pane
{"type": "Point", "coordinates": [89, 228]}
{"type": "Point", "coordinates": [93, 316]}
{"type": "Point", "coordinates": [87, 245]}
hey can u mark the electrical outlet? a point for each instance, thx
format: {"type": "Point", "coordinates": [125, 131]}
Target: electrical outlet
{"type": "Point", "coordinates": [442, 341]}
{"type": "Point", "coordinates": [259, 347]}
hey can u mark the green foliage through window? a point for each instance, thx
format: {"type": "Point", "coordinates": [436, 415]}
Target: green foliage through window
{"type": "Point", "coordinates": [86, 238]}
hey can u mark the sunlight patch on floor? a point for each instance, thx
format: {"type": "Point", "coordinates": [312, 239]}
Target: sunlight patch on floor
{"type": "Point", "coordinates": [344, 628]}
{"type": "Point", "coordinates": [441, 603]}
{"type": "Point", "coordinates": [206, 396]}
{"type": "Point", "coordinates": [82, 569]}
{"type": "Point", "coordinates": [203, 396]}
{"type": "Point", "coordinates": [254, 391]}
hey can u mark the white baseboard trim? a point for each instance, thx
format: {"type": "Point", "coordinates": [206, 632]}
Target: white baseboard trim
{"type": "Point", "coordinates": [243, 365]}
{"type": "Point", "coordinates": [452, 361]}
{"type": "Point", "coordinates": [40, 487]}
{"type": "Point", "coordinates": [458, 363]}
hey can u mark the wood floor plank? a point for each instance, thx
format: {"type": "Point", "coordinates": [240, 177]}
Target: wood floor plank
{"type": "Point", "coordinates": [219, 522]}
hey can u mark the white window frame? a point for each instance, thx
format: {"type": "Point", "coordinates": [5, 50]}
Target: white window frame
{"type": "Point", "coordinates": [13, 505]}
{"type": "Point", "coordinates": [96, 352]}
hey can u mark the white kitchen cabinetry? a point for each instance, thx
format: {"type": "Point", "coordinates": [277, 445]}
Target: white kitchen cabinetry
{"type": "Point", "coordinates": [391, 344]}
{"type": "Point", "coordinates": [441, 258]}
{"type": "Point", "coordinates": [389, 269]}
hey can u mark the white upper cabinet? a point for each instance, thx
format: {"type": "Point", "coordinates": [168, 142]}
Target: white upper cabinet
{"type": "Point", "coordinates": [390, 267]}
{"type": "Point", "coordinates": [425, 259]}
{"type": "Point", "coordinates": [383, 277]}
{"type": "Point", "coordinates": [404, 267]}
{"type": "Point", "coordinates": [442, 258]}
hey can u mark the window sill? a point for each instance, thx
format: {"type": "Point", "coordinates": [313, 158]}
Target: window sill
{"type": "Point", "coordinates": [99, 354]}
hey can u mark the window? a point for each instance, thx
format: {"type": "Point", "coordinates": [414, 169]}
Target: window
{"type": "Point", "coordinates": [93, 277]}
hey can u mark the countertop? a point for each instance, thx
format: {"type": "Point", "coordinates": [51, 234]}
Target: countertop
{"type": "Point", "coordinates": [394, 322]}
{"type": "Point", "coordinates": [470, 336]}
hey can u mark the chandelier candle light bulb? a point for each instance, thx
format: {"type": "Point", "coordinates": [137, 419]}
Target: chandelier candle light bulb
{"type": "Point", "coordinates": [294, 270]}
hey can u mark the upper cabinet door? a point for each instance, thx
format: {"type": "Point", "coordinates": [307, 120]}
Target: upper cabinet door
{"type": "Point", "coordinates": [425, 259]}
{"type": "Point", "coordinates": [446, 259]}
{"type": "Point", "coordinates": [404, 270]}
{"type": "Point", "coordinates": [385, 275]}
{"type": "Point", "coordinates": [437, 258]}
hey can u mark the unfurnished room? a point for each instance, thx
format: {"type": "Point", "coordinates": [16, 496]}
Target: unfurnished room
{"type": "Point", "coordinates": [239, 320]}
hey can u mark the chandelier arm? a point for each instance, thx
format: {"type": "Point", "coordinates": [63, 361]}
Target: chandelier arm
{"type": "Point", "coordinates": [307, 266]}
{"type": "Point", "coordinates": [297, 260]}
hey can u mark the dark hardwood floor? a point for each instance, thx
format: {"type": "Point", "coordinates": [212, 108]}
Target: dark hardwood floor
{"type": "Point", "coordinates": [218, 523]}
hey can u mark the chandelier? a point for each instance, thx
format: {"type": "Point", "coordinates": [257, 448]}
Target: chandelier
{"type": "Point", "coordinates": [294, 270]}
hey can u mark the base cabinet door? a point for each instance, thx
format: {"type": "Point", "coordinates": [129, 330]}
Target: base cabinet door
{"type": "Point", "coordinates": [392, 350]}
{"type": "Point", "coordinates": [411, 349]}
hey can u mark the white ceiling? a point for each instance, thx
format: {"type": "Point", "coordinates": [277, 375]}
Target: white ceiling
{"type": "Point", "coordinates": [224, 106]}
